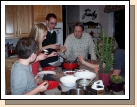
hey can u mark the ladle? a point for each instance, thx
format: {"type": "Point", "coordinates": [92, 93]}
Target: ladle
{"type": "Point", "coordinates": [75, 59]}
{"type": "Point", "coordinates": [62, 57]}
{"type": "Point", "coordinates": [89, 82]}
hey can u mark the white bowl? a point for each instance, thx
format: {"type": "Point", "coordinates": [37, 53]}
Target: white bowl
{"type": "Point", "coordinates": [85, 75]}
{"type": "Point", "coordinates": [69, 80]}
{"type": "Point", "coordinates": [83, 70]}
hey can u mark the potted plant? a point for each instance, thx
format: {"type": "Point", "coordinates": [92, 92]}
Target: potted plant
{"type": "Point", "coordinates": [116, 83]}
{"type": "Point", "coordinates": [104, 50]}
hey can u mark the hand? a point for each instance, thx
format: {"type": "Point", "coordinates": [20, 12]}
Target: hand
{"type": "Point", "coordinates": [37, 79]}
{"type": "Point", "coordinates": [42, 87]}
{"type": "Point", "coordinates": [96, 68]}
{"type": "Point", "coordinates": [93, 61]}
{"type": "Point", "coordinates": [58, 46]}
{"type": "Point", "coordinates": [63, 49]}
{"type": "Point", "coordinates": [41, 57]}
{"type": "Point", "coordinates": [81, 59]}
{"type": "Point", "coordinates": [54, 46]}
{"type": "Point", "coordinates": [52, 54]}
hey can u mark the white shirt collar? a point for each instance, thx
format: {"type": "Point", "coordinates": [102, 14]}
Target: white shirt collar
{"type": "Point", "coordinates": [51, 31]}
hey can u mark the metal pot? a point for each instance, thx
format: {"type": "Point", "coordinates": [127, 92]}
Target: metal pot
{"type": "Point", "coordinates": [70, 64]}
{"type": "Point", "coordinates": [77, 91]}
{"type": "Point", "coordinates": [83, 84]}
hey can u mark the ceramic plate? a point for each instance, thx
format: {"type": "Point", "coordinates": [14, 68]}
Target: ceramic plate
{"type": "Point", "coordinates": [69, 72]}
{"type": "Point", "coordinates": [41, 73]}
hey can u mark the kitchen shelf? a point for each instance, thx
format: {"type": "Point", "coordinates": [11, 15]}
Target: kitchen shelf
{"type": "Point", "coordinates": [94, 29]}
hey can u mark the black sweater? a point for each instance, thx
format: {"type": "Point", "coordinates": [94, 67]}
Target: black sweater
{"type": "Point", "coordinates": [50, 39]}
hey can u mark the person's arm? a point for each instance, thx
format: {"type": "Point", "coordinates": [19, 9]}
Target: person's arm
{"type": "Point", "coordinates": [51, 46]}
{"type": "Point", "coordinates": [94, 66]}
{"type": "Point", "coordinates": [116, 71]}
{"type": "Point", "coordinates": [92, 50]}
{"type": "Point", "coordinates": [41, 88]}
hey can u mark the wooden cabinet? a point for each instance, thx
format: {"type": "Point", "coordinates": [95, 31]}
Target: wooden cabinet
{"type": "Point", "coordinates": [8, 65]}
{"type": "Point", "coordinates": [18, 20]}
{"type": "Point", "coordinates": [7, 79]}
{"type": "Point", "coordinates": [40, 12]}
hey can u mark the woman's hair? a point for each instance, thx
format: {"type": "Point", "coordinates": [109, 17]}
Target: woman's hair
{"type": "Point", "coordinates": [37, 33]}
{"type": "Point", "coordinates": [79, 24]}
{"type": "Point", "coordinates": [25, 47]}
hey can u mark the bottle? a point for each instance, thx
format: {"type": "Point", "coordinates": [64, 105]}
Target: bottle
{"type": "Point", "coordinates": [8, 44]}
{"type": "Point", "coordinates": [6, 50]}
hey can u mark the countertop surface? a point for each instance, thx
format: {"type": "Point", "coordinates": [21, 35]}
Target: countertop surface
{"type": "Point", "coordinates": [59, 74]}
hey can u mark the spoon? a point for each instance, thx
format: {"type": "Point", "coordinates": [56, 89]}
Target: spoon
{"type": "Point", "coordinates": [89, 82]}
{"type": "Point", "coordinates": [75, 59]}
{"type": "Point", "coordinates": [61, 56]}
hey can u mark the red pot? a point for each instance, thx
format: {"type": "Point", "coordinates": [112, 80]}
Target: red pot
{"type": "Point", "coordinates": [105, 78]}
{"type": "Point", "coordinates": [70, 65]}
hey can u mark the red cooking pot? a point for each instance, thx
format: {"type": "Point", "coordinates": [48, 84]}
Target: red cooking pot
{"type": "Point", "coordinates": [70, 64]}
{"type": "Point", "coordinates": [11, 51]}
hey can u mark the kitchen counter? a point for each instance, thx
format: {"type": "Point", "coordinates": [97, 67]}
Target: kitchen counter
{"type": "Point", "coordinates": [9, 61]}
{"type": "Point", "coordinates": [60, 73]}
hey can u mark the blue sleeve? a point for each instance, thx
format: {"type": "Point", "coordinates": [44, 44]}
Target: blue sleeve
{"type": "Point", "coordinates": [119, 57]}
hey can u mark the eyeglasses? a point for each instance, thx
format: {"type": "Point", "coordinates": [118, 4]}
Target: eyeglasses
{"type": "Point", "coordinates": [53, 23]}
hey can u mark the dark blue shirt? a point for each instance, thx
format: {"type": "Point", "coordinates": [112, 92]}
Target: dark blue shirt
{"type": "Point", "coordinates": [119, 64]}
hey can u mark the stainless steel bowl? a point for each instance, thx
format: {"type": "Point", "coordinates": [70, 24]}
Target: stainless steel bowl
{"type": "Point", "coordinates": [83, 84]}
{"type": "Point", "coordinates": [78, 91]}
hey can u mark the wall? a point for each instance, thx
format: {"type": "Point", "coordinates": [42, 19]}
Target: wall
{"type": "Point", "coordinates": [106, 21]}
{"type": "Point", "coordinates": [11, 41]}
{"type": "Point", "coordinates": [75, 13]}
{"type": "Point", "coordinates": [89, 18]}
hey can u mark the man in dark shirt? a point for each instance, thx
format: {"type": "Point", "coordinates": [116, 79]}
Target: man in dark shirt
{"type": "Point", "coordinates": [50, 42]}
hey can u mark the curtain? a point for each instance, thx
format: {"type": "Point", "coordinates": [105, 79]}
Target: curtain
{"type": "Point", "coordinates": [113, 8]}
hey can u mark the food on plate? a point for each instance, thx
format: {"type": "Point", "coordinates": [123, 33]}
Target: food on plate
{"type": "Point", "coordinates": [69, 72]}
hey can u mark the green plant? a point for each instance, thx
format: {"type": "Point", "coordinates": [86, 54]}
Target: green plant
{"type": "Point", "coordinates": [115, 78]}
{"type": "Point", "coordinates": [104, 50]}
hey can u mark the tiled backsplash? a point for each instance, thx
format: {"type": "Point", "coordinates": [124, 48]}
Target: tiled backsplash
{"type": "Point", "coordinates": [11, 41]}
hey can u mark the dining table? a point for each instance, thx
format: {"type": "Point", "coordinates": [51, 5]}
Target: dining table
{"type": "Point", "coordinates": [60, 73]}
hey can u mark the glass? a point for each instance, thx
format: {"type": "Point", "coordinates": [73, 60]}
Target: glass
{"type": "Point", "coordinates": [53, 23]}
